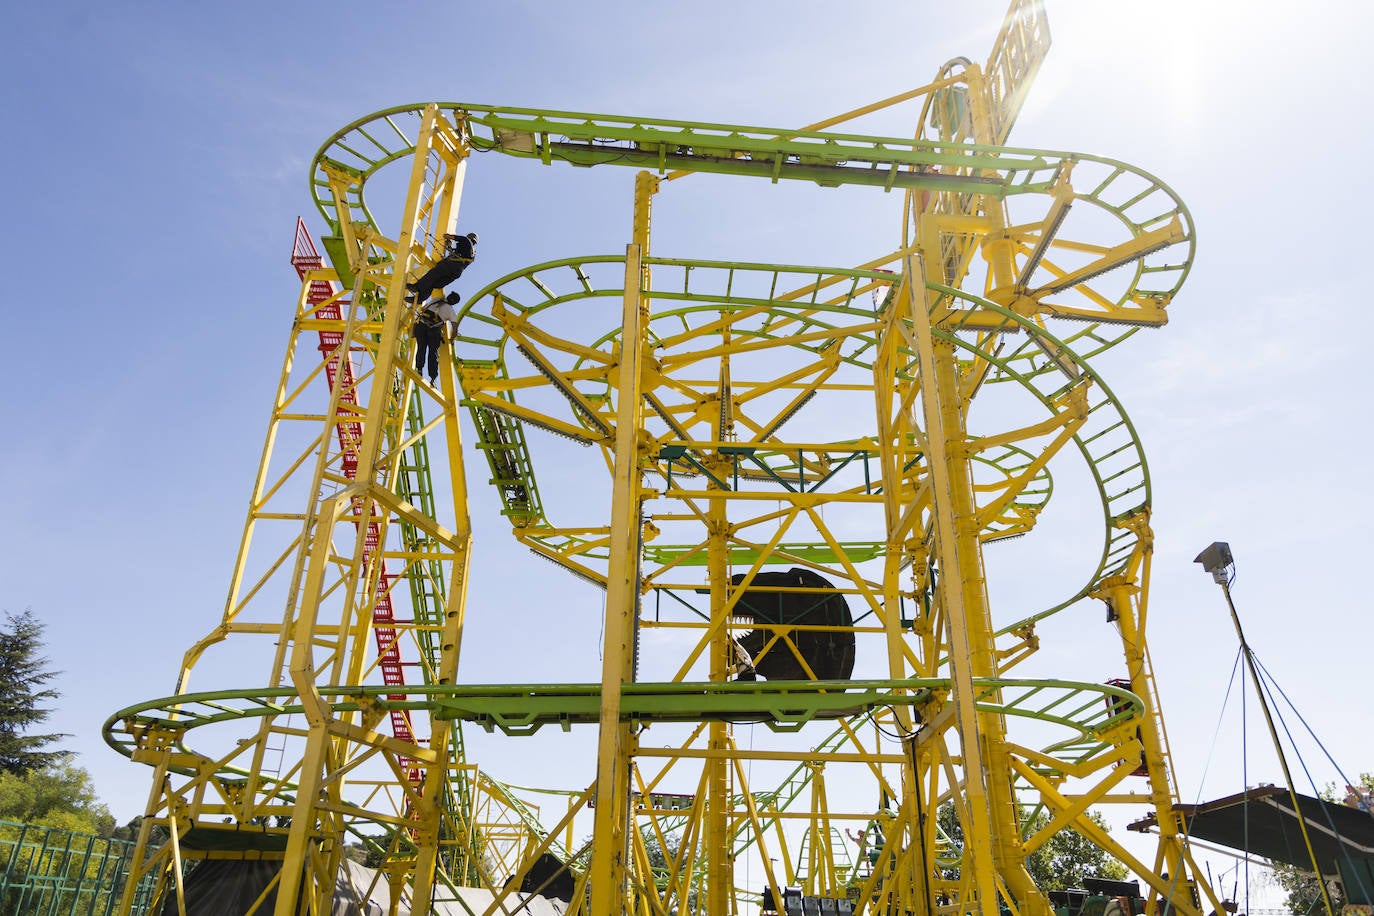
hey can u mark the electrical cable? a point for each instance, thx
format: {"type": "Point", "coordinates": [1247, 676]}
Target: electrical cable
{"type": "Point", "coordinates": [601, 634]}
{"type": "Point", "coordinates": [895, 736]}
{"type": "Point", "coordinates": [1216, 734]}
{"type": "Point", "coordinates": [1331, 824]}
{"type": "Point", "coordinates": [1245, 777]}
{"type": "Point", "coordinates": [1253, 669]}
{"type": "Point", "coordinates": [1241, 652]}
{"type": "Point", "coordinates": [1211, 751]}
{"type": "Point", "coordinates": [921, 824]}
{"type": "Point", "coordinates": [1313, 735]}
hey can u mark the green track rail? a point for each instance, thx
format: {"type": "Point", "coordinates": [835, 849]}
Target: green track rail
{"type": "Point", "coordinates": [1087, 711]}
{"type": "Point", "coordinates": [1086, 714]}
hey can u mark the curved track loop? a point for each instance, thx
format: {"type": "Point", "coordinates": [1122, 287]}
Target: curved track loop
{"type": "Point", "coordinates": [1107, 440]}
{"type": "Point", "coordinates": [1153, 227]}
{"type": "Point", "coordinates": [835, 303]}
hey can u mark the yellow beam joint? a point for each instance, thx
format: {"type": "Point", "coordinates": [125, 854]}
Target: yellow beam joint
{"type": "Point", "coordinates": [1118, 256]}
{"type": "Point", "coordinates": [534, 418]}
{"type": "Point", "coordinates": [413, 516]}
{"type": "Point", "coordinates": [370, 738]}
{"type": "Point", "coordinates": [1065, 817]}
{"type": "Point", "coordinates": [1017, 484]}
{"type": "Point", "coordinates": [1062, 200]}
{"type": "Point", "coordinates": [1075, 405]}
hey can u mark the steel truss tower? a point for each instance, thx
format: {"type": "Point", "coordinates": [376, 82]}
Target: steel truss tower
{"type": "Point", "coordinates": [798, 485]}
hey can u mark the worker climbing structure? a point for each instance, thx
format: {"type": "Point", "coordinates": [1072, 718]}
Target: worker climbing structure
{"type": "Point", "coordinates": [796, 493]}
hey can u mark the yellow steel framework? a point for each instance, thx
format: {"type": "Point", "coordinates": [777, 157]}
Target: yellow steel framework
{"type": "Point", "coordinates": [751, 418]}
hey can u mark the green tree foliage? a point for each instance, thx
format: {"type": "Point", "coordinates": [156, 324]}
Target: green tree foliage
{"type": "Point", "coordinates": [60, 844]}
{"type": "Point", "coordinates": [129, 832]}
{"type": "Point", "coordinates": [1063, 861]}
{"type": "Point", "coordinates": [23, 676]}
{"type": "Point", "coordinates": [1068, 857]}
{"type": "Point", "coordinates": [60, 796]}
{"type": "Point", "coordinates": [660, 856]}
{"type": "Point", "coordinates": [1303, 894]}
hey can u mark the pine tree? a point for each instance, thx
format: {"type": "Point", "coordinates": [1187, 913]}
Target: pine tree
{"type": "Point", "coordinates": [23, 674]}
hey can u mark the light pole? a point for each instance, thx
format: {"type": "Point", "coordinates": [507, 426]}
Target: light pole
{"type": "Point", "coordinates": [1217, 560]}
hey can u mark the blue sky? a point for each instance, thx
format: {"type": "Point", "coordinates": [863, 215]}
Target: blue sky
{"type": "Point", "coordinates": [157, 162]}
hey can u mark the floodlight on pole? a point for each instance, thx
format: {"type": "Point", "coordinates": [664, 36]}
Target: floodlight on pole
{"type": "Point", "coordinates": [1217, 560]}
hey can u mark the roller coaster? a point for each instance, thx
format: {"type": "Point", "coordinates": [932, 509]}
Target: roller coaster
{"type": "Point", "coordinates": [788, 500]}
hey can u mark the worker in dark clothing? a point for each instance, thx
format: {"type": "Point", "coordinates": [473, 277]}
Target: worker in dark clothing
{"type": "Point", "coordinates": [459, 252]}
{"type": "Point", "coordinates": [429, 333]}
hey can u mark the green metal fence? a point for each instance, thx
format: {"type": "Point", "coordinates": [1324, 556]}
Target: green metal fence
{"type": "Point", "coordinates": [51, 872]}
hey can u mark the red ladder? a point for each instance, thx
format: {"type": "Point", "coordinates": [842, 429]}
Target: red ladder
{"type": "Point", "coordinates": [305, 257]}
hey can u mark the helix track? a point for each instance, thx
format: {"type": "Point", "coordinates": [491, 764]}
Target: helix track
{"type": "Point", "coordinates": [807, 416]}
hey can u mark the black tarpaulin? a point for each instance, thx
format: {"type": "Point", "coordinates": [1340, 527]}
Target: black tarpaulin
{"type": "Point", "coordinates": [1262, 821]}
{"type": "Point", "coordinates": [228, 887]}
{"type": "Point", "coordinates": [829, 653]}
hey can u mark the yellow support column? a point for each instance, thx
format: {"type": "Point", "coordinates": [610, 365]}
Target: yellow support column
{"type": "Point", "coordinates": [962, 580]}
{"type": "Point", "coordinates": [1125, 598]}
{"type": "Point", "coordinates": [992, 843]}
{"type": "Point", "coordinates": [718, 879]}
{"type": "Point", "coordinates": [1118, 596]}
{"type": "Point", "coordinates": [428, 831]}
{"type": "Point", "coordinates": [622, 599]}
{"type": "Point", "coordinates": [895, 422]}
{"type": "Point", "coordinates": [305, 834]}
